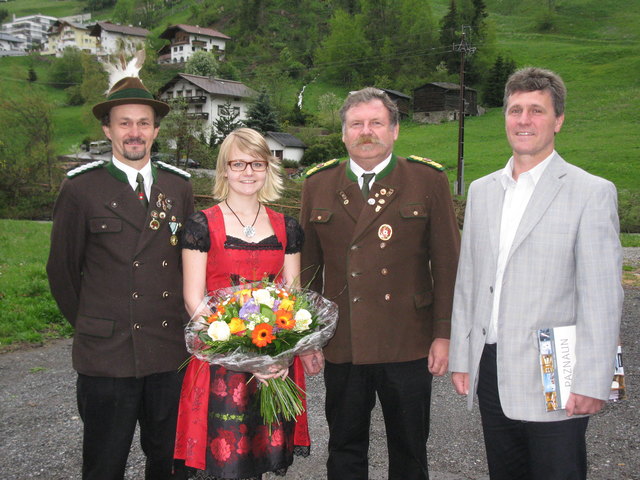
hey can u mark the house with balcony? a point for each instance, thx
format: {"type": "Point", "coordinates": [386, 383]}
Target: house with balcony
{"type": "Point", "coordinates": [31, 29]}
{"type": "Point", "coordinates": [184, 40]}
{"type": "Point", "coordinates": [114, 39]}
{"type": "Point", "coordinates": [12, 46]}
{"type": "Point", "coordinates": [206, 97]}
{"type": "Point", "coordinates": [65, 34]}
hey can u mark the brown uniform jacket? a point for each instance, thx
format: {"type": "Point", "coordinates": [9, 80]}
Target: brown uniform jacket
{"type": "Point", "coordinates": [389, 263]}
{"type": "Point", "coordinates": [116, 274]}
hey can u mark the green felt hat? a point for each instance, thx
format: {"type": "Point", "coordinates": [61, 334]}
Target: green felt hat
{"type": "Point", "coordinates": [126, 91]}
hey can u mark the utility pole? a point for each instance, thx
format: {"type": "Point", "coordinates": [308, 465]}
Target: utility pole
{"type": "Point", "coordinates": [464, 48]}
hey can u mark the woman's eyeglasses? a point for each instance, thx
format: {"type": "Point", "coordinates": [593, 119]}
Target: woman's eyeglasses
{"type": "Point", "coordinates": [241, 166]}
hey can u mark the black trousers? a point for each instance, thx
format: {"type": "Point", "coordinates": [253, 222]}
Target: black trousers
{"type": "Point", "coordinates": [519, 450]}
{"type": "Point", "coordinates": [110, 409]}
{"type": "Point", "coordinates": [404, 390]}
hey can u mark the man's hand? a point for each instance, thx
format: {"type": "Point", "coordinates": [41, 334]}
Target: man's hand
{"type": "Point", "coordinates": [582, 405]}
{"type": "Point", "coordinates": [439, 357]}
{"type": "Point", "coordinates": [460, 382]}
{"type": "Point", "coordinates": [312, 362]}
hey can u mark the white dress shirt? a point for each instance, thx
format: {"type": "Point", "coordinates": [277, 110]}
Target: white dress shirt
{"type": "Point", "coordinates": [132, 173]}
{"type": "Point", "coordinates": [516, 197]}
{"type": "Point", "coordinates": [358, 171]}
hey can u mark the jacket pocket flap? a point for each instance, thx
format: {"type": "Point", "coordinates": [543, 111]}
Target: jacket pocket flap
{"type": "Point", "coordinates": [423, 299]}
{"type": "Point", "coordinates": [320, 216]}
{"type": "Point", "coordinates": [414, 210]}
{"type": "Point", "coordinates": [105, 225]}
{"type": "Point", "coordinates": [95, 327]}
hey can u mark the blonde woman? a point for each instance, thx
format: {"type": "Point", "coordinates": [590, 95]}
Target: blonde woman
{"type": "Point", "coordinates": [240, 240]}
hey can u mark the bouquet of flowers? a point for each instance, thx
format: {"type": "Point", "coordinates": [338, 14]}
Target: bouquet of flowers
{"type": "Point", "coordinates": [260, 327]}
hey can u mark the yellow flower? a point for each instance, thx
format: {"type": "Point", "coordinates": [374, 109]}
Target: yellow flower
{"type": "Point", "coordinates": [236, 325]}
{"type": "Point", "coordinates": [244, 296]}
{"type": "Point", "coordinates": [286, 304]}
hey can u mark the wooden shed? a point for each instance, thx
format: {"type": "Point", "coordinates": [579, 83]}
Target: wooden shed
{"type": "Point", "coordinates": [442, 100]}
{"type": "Point", "coordinates": [401, 100]}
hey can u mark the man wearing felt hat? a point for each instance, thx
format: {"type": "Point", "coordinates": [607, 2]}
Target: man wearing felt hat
{"type": "Point", "coordinates": [114, 270]}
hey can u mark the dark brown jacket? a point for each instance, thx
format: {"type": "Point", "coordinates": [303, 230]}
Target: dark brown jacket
{"type": "Point", "coordinates": [394, 293]}
{"type": "Point", "coordinates": [116, 279]}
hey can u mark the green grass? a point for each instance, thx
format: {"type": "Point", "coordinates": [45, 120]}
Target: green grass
{"type": "Point", "coordinates": [57, 8]}
{"type": "Point", "coordinates": [630, 239]}
{"type": "Point", "coordinates": [28, 313]}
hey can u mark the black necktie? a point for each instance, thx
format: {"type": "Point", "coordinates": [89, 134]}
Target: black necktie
{"type": "Point", "coordinates": [142, 196]}
{"type": "Point", "coordinates": [366, 180]}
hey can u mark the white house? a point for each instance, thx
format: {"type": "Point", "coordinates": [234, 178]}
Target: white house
{"type": "Point", "coordinates": [285, 146]}
{"type": "Point", "coordinates": [11, 46]}
{"type": "Point", "coordinates": [113, 38]}
{"type": "Point", "coordinates": [187, 39]}
{"type": "Point", "coordinates": [206, 96]}
{"type": "Point", "coordinates": [32, 29]}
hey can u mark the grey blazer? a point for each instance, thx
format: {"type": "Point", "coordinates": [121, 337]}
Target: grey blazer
{"type": "Point", "coordinates": [564, 268]}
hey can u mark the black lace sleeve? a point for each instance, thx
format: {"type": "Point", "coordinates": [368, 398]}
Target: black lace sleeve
{"type": "Point", "coordinates": [195, 233]}
{"type": "Point", "coordinates": [295, 235]}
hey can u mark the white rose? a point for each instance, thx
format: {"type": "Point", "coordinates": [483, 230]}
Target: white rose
{"type": "Point", "coordinates": [303, 320]}
{"type": "Point", "coordinates": [264, 297]}
{"type": "Point", "coordinates": [219, 331]}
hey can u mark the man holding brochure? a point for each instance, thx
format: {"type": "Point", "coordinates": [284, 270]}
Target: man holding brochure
{"type": "Point", "coordinates": [540, 249]}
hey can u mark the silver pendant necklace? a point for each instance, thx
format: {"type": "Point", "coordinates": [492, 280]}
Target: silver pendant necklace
{"type": "Point", "coordinates": [248, 230]}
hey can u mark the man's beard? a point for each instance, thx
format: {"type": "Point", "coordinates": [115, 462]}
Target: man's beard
{"type": "Point", "coordinates": [136, 154]}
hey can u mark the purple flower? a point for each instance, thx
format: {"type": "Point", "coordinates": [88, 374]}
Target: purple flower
{"type": "Point", "coordinates": [248, 308]}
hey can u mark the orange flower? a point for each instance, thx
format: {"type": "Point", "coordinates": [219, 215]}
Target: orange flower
{"type": "Point", "coordinates": [220, 309]}
{"type": "Point", "coordinates": [236, 325]}
{"type": "Point", "coordinates": [212, 318]}
{"type": "Point", "coordinates": [284, 319]}
{"type": "Point", "coordinates": [261, 335]}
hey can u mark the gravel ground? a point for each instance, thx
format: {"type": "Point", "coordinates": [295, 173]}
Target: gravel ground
{"type": "Point", "coordinates": [41, 433]}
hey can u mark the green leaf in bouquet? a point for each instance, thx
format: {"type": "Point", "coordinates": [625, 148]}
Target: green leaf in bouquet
{"type": "Point", "coordinates": [266, 311]}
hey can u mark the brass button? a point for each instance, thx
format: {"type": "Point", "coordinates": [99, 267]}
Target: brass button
{"type": "Point", "coordinates": [103, 226]}
{"type": "Point", "coordinates": [387, 297]}
{"type": "Point", "coordinates": [137, 263]}
{"type": "Point", "coordinates": [356, 299]}
{"type": "Point", "coordinates": [164, 264]}
{"type": "Point", "coordinates": [114, 204]}
{"type": "Point", "coordinates": [135, 295]}
{"type": "Point", "coordinates": [137, 326]}
{"type": "Point", "coordinates": [415, 212]}
{"type": "Point", "coordinates": [384, 271]}
{"type": "Point", "coordinates": [165, 294]}
{"type": "Point", "coordinates": [319, 217]}
{"type": "Point", "coordinates": [165, 324]}
{"type": "Point", "coordinates": [383, 244]}
{"type": "Point", "coordinates": [354, 247]}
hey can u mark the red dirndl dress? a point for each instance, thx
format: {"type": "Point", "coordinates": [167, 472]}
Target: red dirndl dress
{"type": "Point", "coordinates": [220, 430]}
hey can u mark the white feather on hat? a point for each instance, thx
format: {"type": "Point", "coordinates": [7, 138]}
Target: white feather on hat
{"type": "Point", "coordinates": [121, 69]}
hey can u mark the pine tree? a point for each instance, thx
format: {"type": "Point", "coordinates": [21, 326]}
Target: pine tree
{"type": "Point", "coordinates": [498, 75]}
{"type": "Point", "coordinates": [261, 116]}
{"type": "Point", "coordinates": [226, 122]}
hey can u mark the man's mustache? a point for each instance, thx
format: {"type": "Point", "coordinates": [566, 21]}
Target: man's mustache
{"type": "Point", "coordinates": [367, 139]}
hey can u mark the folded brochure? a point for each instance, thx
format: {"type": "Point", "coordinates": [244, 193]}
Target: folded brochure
{"type": "Point", "coordinates": [557, 359]}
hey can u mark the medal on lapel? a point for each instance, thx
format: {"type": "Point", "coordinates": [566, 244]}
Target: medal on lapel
{"type": "Point", "coordinates": [385, 232]}
{"type": "Point", "coordinates": [174, 225]}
